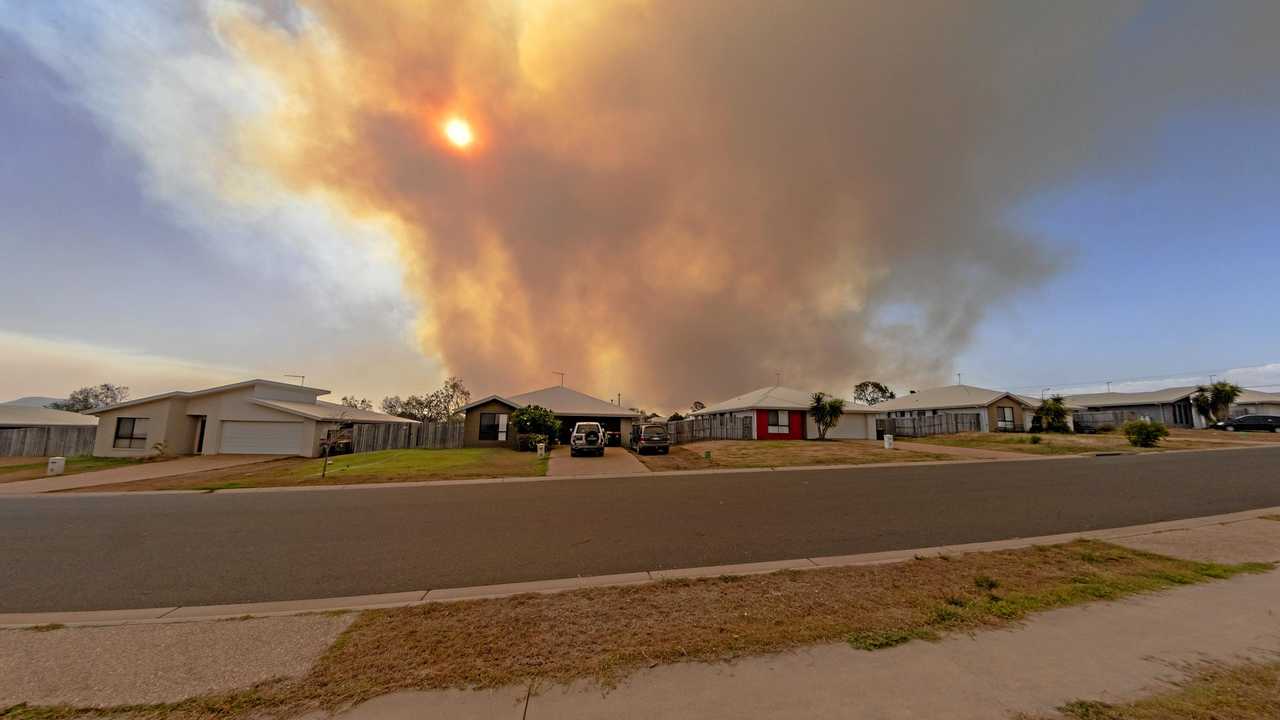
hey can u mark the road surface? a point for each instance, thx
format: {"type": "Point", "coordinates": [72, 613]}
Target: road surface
{"type": "Point", "coordinates": [84, 552]}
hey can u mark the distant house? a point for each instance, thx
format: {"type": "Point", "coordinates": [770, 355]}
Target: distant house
{"type": "Point", "coordinates": [488, 419]}
{"type": "Point", "coordinates": [26, 416]}
{"type": "Point", "coordinates": [1171, 406]}
{"type": "Point", "coordinates": [982, 409]}
{"type": "Point", "coordinates": [1256, 402]}
{"type": "Point", "coordinates": [251, 417]}
{"type": "Point", "coordinates": [782, 413]}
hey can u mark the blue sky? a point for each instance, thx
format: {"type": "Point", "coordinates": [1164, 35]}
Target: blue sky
{"type": "Point", "coordinates": [119, 265]}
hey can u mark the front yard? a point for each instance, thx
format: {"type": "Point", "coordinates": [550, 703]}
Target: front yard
{"type": "Point", "coordinates": [13, 469]}
{"type": "Point", "coordinates": [780, 453]}
{"type": "Point", "coordinates": [1075, 444]}
{"type": "Point", "coordinates": [358, 468]}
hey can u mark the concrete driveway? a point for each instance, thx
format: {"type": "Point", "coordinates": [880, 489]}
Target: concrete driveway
{"type": "Point", "coordinates": [129, 473]}
{"type": "Point", "coordinates": [616, 461]}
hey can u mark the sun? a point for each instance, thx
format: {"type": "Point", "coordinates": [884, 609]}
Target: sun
{"type": "Point", "coordinates": [458, 132]}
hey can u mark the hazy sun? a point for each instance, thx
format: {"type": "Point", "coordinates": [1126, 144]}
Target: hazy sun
{"type": "Point", "coordinates": [458, 132]}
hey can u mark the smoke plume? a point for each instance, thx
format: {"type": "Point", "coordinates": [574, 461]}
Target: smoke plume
{"type": "Point", "coordinates": [677, 200]}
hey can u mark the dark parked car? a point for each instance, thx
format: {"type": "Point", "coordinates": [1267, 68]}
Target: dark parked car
{"type": "Point", "coordinates": [614, 438]}
{"type": "Point", "coordinates": [1256, 423]}
{"type": "Point", "coordinates": [649, 436]}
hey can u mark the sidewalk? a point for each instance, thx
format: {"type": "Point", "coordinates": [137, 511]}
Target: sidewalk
{"type": "Point", "coordinates": [1105, 650]}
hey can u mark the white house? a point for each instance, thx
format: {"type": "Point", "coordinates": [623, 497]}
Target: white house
{"type": "Point", "coordinates": [782, 413]}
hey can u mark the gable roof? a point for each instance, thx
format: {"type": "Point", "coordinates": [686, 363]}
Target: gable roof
{"type": "Point", "coordinates": [567, 401]}
{"type": "Point", "coordinates": [1116, 399]}
{"type": "Point", "coordinates": [27, 416]}
{"type": "Point", "coordinates": [775, 397]}
{"type": "Point", "coordinates": [331, 412]}
{"type": "Point", "coordinates": [1257, 396]}
{"type": "Point", "coordinates": [209, 391]}
{"type": "Point", "coordinates": [950, 396]}
{"type": "Point", "coordinates": [487, 399]}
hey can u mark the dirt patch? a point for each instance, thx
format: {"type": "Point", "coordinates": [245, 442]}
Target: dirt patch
{"type": "Point", "coordinates": [1249, 691]}
{"type": "Point", "coordinates": [781, 453]}
{"type": "Point", "coordinates": [1071, 444]}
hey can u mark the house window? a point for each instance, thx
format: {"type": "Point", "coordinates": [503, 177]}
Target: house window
{"type": "Point", "coordinates": [779, 421]}
{"type": "Point", "coordinates": [131, 433]}
{"type": "Point", "coordinates": [493, 426]}
{"type": "Point", "coordinates": [1005, 418]}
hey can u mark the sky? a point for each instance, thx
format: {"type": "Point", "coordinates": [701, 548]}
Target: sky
{"type": "Point", "coordinates": [665, 200]}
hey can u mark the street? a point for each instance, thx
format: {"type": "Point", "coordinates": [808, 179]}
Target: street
{"type": "Point", "coordinates": [85, 552]}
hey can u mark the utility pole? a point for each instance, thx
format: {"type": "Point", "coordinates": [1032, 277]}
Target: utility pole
{"type": "Point", "coordinates": [777, 378]}
{"type": "Point", "coordinates": [1045, 390]}
{"type": "Point", "coordinates": [554, 372]}
{"type": "Point", "coordinates": [302, 379]}
{"type": "Point", "coordinates": [1108, 386]}
{"type": "Point", "coordinates": [959, 380]}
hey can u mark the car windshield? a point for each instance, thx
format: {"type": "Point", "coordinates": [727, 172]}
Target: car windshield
{"type": "Point", "coordinates": [655, 430]}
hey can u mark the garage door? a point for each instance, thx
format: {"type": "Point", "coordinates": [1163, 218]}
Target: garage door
{"type": "Point", "coordinates": [853, 426]}
{"type": "Point", "coordinates": [261, 438]}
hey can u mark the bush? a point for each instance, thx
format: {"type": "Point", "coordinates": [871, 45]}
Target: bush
{"type": "Point", "coordinates": [1145, 433]}
{"type": "Point", "coordinates": [1035, 439]}
{"type": "Point", "coordinates": [535, 420]}
{"type": "Point", "coordinates": [529, 443]}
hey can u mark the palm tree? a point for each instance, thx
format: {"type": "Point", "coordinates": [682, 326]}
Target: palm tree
{"type": "Point", "coordinates": [826, 412]}
{"type": "Point", "coordinates": [1214, 401]}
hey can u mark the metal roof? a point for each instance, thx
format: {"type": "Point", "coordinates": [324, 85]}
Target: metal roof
{"type": "Point", "coordinates": [1117, 399]}
{"type": "Point", "coordinates": [950, 396]}
{"type": "Point", "coordinates": [27, 416]}
{"type": "Point", "coordinates": [209, 391]}
{"type": "Point", "coordinates": [331, 412]}
{"type": "Point", "coordinates": [1257, 397]}
{"type": "Point", "coordinates": [775, 397]}
{"type": "Point", "coordinates": [566, 401]}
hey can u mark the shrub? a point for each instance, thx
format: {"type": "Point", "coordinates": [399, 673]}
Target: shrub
{"type": "Point", "coordinates": [534, 419]}
{"type": "Point", "coordinates": [1106, 428]}
{"type": "Point", "coordinates": [1145, 433]}
{"type": "Point", "coordinates": [1035, 439]}
{"type": "Point", "coordinates": [1052, 415]}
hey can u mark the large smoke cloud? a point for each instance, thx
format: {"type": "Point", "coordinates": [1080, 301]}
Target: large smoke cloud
{"type": "Point", "coordinates": [675, 200]}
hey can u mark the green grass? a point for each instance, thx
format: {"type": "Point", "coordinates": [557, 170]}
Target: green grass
{"type": "Point", "coordinates": [77, 464]}
{"type": "Point", "coordinates": [357, 468]}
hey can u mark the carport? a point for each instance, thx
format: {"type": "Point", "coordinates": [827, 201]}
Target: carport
{"type": "Point", "coordinates": [568, 405]}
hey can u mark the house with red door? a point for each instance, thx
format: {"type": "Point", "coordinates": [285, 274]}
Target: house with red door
{"type": "Point", "coordinates": [782, 413]}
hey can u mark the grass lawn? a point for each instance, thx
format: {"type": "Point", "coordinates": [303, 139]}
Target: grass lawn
{"type": "Point", "coordinates": [1068, 444]}
{"type": "Point", "coordinates": [357, 468]}
{"type": "Point", "coordinates": [1249, 691]}
{"type": "Point", "coordinates": [33, 468]}
{"type": "Point", "coordinates": [604, 634]}
{"type": "Point", "coordinates": [780, 453]}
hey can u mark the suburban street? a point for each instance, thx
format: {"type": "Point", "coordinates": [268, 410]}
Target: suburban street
{"type": "Point", "coordinates": [86, 552]}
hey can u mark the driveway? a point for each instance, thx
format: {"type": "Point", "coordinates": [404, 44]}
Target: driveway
{"type": "Point", "coordinates": [616, 461]}
{"type": "Point", "coordinates": [129, 473]}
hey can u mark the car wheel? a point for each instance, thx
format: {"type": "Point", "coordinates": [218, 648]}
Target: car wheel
{"type": "Point", "coordinates": [1231, 428]}
{"type": "Point", "coordinates": [666, 450]}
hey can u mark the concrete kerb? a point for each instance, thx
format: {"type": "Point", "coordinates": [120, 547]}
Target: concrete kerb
{"type": "Point", "coordinates": [419, 597]}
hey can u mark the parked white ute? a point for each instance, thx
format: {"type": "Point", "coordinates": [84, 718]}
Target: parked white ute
{"type": "Point", "coordinates": [587, 438]}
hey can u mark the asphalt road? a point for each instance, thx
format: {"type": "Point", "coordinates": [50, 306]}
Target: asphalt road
{"type": "Point", "coordinates": [85, 552]}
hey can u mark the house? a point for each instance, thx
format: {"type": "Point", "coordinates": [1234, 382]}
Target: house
{"type": "Point", "coordinates": [487, 419]}
{"type": "Point", "coordinates": [250, 417]}
{"type": "Point", "coordinates": [1171, 406]}
{"type": "Point", "coordinates": [977, 409]}
{"type": "Point", "coordinates": [782, 413]}
{"type": "Point", "coordinates": [26, 416]}
{"type": "Point", "coordinates": [1256, 402]}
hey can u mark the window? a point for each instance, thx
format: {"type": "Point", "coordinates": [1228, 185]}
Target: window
{"type": "Point", "coordinates": [131, 433]}
{"type": "Point", "coordinates": [1004, 418]}
{"type": "Point", "coordinates": [493, 426]}
{"type": "Point", "coordinates": [779, 421]}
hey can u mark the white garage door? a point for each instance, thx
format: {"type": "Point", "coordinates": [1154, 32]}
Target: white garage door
{"type": "Point", "coordinates": [854, 426]}
{"type": "Point", "coordinates": [261, 438]}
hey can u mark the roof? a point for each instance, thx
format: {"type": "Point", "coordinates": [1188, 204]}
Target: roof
{"type": "Point", "coordinates": [27, 416]}
{"type": "Point", "coordinates": [1117, 399]}
{"type": "Point", "coordinates": [489, 399]}
{"type": "Point", "coordinates": [209, 391]}
{"type": "Point", "coordinates": [333, 412]}
{"type": "Point", "coordinates": [567, 401]}
{"type": "Point", "coordinates": [1257, 396]}
{"type": "Point", "coordinates": [950, 396]}
{"type": "Point", "coordinates": [775, 397]}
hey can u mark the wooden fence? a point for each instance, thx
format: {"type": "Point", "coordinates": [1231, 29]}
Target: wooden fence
{"type": "Point", "coordinates": [367, 437]}
{"type": "Point", "coordinates": [923, 426]}
{"type": "Point", "coordinates": [47, 441]}
{"type": "Point", "coordinates": [709, 428]}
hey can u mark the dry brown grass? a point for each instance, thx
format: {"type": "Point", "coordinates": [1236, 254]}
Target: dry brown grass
{"type": "Point", "coordinates": [1219, 436]}
{"type": "Point", "coordinates": [1249, 691]}
{"type": "Point", "coordinates": [1075, 444]}
{"type": "Point", "coordinates": [781, 453]}
{"type": "Point", "coordinates": [606, 633]}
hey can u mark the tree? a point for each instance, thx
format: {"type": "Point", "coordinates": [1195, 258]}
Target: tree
{"type": "Point", "coordinates": [536, 420]}
{"type": "Point", "coordinates": [360, 404]}
{"type": "Point", "coordinates": [92, 397]}
{"type": "Point", "coordinates": [1052, 415]}
{"type": "Point", "coordinates": [697, 405]}
{"type": "Point", "coordinates": [675, 417]}
{"type": "Point", "coordinates": [445, 403]}
{"type": "Point", "coordinates": [1214, 401]}
{"type": "Point", "coordinates": [412, 407]}
{"type": "Point", "coordinates": [870, 392]}
{"type": "Point", "coordinates": [826, 412]}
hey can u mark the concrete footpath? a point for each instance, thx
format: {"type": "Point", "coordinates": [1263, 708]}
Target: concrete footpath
{"type": "Point", "coordinates": [130, 473]}
{"type": "Point", "coordinates": [1110, 651]}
